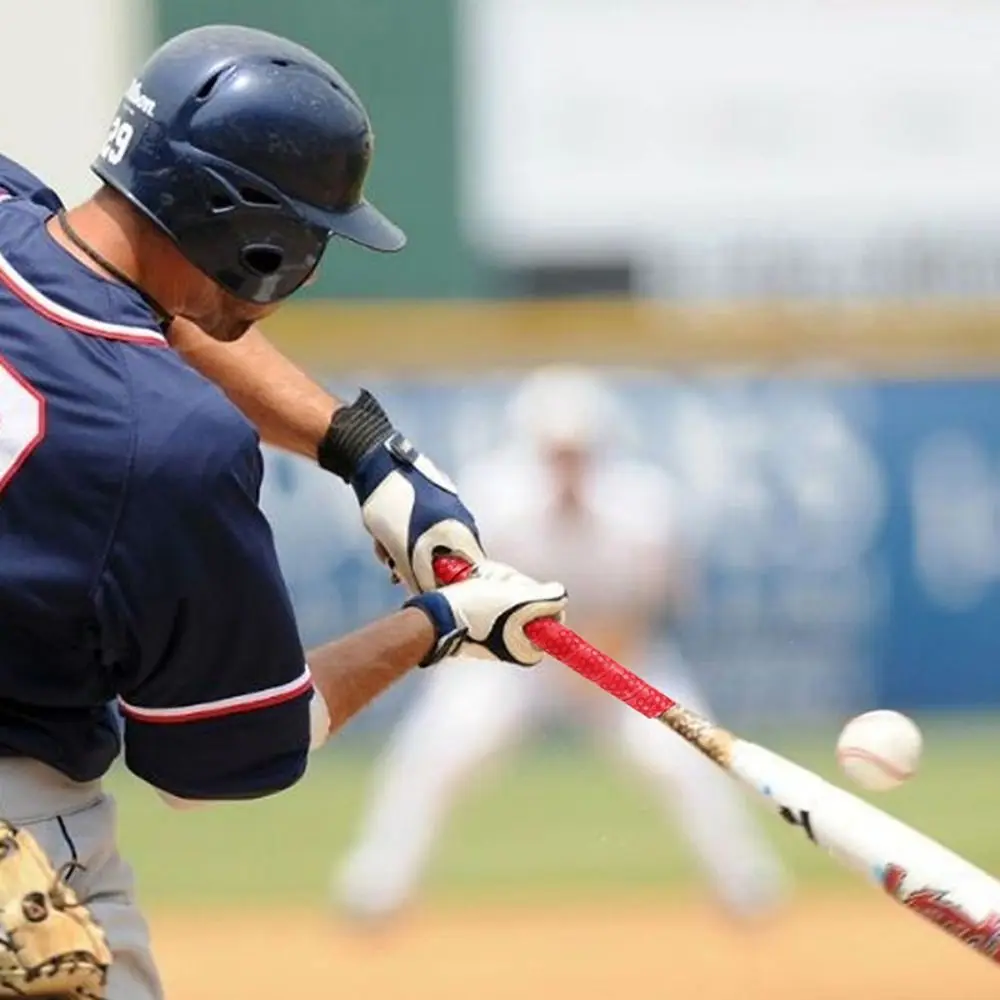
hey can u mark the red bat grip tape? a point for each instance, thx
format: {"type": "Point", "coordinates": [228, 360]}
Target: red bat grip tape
{"type": "Point", "coordinates": [564, 645]}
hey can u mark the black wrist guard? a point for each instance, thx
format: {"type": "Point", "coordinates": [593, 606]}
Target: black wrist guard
{"type": "Point", "coordinates": [353, 432]}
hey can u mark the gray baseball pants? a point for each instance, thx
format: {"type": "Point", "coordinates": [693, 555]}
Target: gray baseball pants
{"type": "Point", "coordinates": [75, 821]}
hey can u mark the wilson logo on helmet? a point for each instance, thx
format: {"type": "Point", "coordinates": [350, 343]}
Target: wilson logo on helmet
{"type": "Point", "coordinates": [139, 100]}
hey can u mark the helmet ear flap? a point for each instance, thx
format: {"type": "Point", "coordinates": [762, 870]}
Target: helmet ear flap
{"type": "Point", "coordinates": [243, 235]}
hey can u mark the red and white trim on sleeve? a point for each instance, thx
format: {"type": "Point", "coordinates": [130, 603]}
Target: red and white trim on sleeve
{"type": "Point", "coordinates": [224, 706]}
{"type": "Point", "coordinates": [19, 286]}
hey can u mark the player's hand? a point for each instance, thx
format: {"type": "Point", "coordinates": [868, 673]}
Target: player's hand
{"type": "Point", "coordinates": [414, 513]}
{"type": "Point", "coordinates": [408, 505]}
{"type": "Point", "coordinates": [484, 615]}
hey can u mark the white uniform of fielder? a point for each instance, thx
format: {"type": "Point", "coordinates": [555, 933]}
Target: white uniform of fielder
{"type": "Point", "coordinates": [556, 503]}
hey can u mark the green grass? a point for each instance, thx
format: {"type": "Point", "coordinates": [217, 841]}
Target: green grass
{"type": "Point", "coordinates": [552, 822]}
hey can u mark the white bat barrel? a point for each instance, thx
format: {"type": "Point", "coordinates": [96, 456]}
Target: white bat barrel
{"type": "Point", "coordinates": [914, 869]}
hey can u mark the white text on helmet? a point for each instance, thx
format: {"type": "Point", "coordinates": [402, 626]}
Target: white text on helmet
{"type": "Point", "coordinates": [139, 100]}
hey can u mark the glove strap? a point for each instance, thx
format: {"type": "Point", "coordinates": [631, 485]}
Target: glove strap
{"type": "Point", "coordinates": [449, 631]}
{"type": "Point", "coordinates": [354, 431]}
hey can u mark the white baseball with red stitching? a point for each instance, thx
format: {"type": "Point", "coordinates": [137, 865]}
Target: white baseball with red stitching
{"type": "Point", "coordinates": [880, 750]}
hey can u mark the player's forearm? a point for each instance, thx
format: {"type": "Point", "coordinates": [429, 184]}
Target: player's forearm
{"type": "Point", "coordinates": [352, 671]}
{"type": "Point", "coordinates": [289, 409]}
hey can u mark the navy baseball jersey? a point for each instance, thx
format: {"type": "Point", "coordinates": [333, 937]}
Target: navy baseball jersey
{"type": "Point", "coordinates": [136, 567]}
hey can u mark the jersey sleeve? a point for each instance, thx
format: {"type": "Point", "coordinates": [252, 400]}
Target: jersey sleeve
{"type": "Point", "coordinates": [214, 688]}
{"type": "Point", "coordinates": [16, 182]}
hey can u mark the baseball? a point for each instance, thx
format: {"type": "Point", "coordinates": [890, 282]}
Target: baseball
{"type": "Point", "coordinates": [879, 750]}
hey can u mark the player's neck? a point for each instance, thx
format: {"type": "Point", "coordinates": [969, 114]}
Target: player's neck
{"type": "Point", "coordinates": [118, 240]}
{"type": "Point", "coordinates": [104, 228]}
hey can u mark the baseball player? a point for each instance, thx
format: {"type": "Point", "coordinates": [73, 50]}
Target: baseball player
{"type": "Point", "coordinates": [135, 564]}
{"type": "Point", "coordinates": [560, 499]}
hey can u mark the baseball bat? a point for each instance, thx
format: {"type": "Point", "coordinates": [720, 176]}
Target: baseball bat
{"type": "Point", "coordinates": [913, 869]}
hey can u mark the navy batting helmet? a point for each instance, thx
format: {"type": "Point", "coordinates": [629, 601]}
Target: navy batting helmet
{"type": "Point", "coordinates": [250, 152]}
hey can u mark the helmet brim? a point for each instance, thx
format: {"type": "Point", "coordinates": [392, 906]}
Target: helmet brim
{"type": "Point", "coordinates": [363, 224]}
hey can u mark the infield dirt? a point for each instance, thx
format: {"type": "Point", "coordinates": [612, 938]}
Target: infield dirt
{"type": "Point", "coordinates": [821, 949]}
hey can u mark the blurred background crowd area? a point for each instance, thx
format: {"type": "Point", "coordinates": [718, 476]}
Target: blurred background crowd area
{"type": "Point", "coordinates": [772, 229]}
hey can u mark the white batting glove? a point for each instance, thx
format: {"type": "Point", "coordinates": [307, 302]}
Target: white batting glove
{"type": "Point", "coordinates": [484, 615]}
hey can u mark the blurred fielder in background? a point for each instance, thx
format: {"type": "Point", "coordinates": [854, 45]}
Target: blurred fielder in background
{"type": "Point", "coordinates": [559, 499]}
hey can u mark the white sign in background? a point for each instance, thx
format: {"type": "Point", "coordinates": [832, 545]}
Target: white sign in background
{"type": "Point", "coordinates": [65, 65]}
{"type": "Point", "coordinates": [592, 126]}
